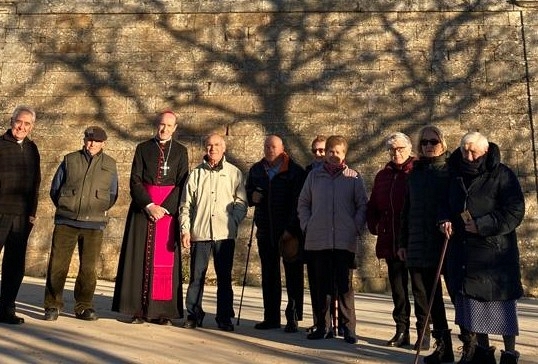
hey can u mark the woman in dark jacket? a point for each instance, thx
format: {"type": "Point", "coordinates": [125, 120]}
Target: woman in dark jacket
{"type": "Point", "coordinates": [485, 205]}
{"type": "Point", "coordinates": [420, 240]}
{"type": "Point", "coordinates": [383, 219]}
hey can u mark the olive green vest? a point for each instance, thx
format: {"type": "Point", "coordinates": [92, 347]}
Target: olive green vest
{"type": "Point", "coordinates": [85, 195]}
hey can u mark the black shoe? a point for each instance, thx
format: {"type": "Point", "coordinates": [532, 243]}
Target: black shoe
{"type": "Point", "coordinates": [11, 319]}
{"type": "Point", "coordinates": [399, 339]}
{"type": "Point", "coordinates": [225, 325]}
{"type": "Point", "coordinates": [351, 338]}
{"type": "Point", "coordinates": [291, 326]}
{"type": "Point", "coordinates": [51, 314]}
{"type": "Point", "coordinates": [163, 321]}
{"type": "Point", "coordinates": [316, 335]}
{"type": "Point", "coordinates": [189, 324]}
{"type": "Point", "coordinates": [87, 314]}
{"type": "Point", "coordinates": [137, 320]}
{"type": "Point", "coordinates": [266, 325]}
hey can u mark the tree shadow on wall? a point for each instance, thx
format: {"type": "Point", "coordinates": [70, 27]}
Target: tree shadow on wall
{"type": "Point", "coordinates": [286, 68]}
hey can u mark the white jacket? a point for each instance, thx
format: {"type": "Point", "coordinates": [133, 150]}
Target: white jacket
{"type": "Point", "coordinates": [213, 202]}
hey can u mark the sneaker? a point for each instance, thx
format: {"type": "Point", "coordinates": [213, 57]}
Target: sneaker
{"type": "Point", "coordinates": [51, 314]}
{"type": "Point", "coordinates": [87, 314]}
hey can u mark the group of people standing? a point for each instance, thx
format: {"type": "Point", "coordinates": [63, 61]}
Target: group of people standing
{"type": "Point", "coordinates": [465, 205]}
{"type": "Point", "coordinates": [454, 213]}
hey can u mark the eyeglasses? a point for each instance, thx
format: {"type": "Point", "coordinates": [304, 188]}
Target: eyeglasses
{"type": "Point", "coordinates": [398, 150]}
{"type": "Point", "coordinates": [318, 150]}
{"type": "Point", "coordinates": [432, 142]}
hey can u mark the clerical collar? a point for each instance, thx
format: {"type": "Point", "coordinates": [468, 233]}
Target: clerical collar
{"type": "Point", "coordinates": [162, 141]}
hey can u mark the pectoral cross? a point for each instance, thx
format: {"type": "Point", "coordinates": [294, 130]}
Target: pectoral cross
{"type": "Point", "coordinates": [165, 168]}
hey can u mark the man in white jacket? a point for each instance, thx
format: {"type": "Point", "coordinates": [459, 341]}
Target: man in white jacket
{"type": "Point", "coordinates": [213, 204]}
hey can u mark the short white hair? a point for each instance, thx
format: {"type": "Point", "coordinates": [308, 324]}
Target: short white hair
{"type": "Point", "coordinates": [474, 138]}
{"type": "Point", "coordinates": [393, 137]}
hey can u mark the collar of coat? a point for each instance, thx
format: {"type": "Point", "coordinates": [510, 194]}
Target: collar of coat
{"type": "Point", "coordinates": [283, 159]}
{"type": "Point", "coordinates": [8, 136]}
{"type": "Point", "coordinates": [219, 165]}
{"type": "Point", "coordinates": [404, 167]}
{"type": "Point", "coordinates": [438, 161]}
{"type": "Point", "coordinates": [493, 158]}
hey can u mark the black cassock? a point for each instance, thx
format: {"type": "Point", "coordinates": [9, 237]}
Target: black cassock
{"type": "Point", "coordinates": [154, 164]}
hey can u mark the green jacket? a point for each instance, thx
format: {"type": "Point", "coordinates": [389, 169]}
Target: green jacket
{"type": "Point", "coordinates": [85, 191]}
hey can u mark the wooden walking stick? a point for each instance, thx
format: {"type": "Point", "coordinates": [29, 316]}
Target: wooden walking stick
{"type": "Point", "coordinates": [434, 288]}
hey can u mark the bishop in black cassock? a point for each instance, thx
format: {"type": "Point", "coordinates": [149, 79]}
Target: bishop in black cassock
{"type": "Point", "coordinates": [148, 282]}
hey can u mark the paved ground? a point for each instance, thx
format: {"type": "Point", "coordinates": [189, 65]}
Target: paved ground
{"type": "Point", "coordinates": [109, 340]}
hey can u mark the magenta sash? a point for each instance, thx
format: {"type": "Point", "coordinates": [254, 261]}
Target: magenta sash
{"type": "Point", "coordinates": [163, 251]}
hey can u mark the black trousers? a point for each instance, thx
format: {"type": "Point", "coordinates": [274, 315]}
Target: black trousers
{"type": "Point", "coordinates": [422, 280]}
{"type": "Point", "coordinates": [15, 231]}
{"type": "Point", "coordinates": [399, 280]}
{"type": "Point", "coordinates": [332, 272]}
{"type": "Point", "coordinates": [272, 283]}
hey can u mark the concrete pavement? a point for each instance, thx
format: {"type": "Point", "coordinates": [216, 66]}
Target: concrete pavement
{"type": "Point", "coordinates": [109, 340]}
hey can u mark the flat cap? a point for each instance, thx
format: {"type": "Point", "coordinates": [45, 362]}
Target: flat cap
{"type": "Point", "coordinates": [95, 133]}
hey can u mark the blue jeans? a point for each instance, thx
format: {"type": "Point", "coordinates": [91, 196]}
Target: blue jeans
{"type": "Point", "coordinates": [223, 253]}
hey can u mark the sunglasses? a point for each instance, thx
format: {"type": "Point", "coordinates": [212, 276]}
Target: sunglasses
{"type": "Point", "coordinates": [318, 150]}
{"type": "Point", "coordinates": [433, 142]}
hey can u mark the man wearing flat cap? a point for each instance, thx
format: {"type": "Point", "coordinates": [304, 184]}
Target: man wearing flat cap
{"type": "Point", "coordinates": [83, 189]}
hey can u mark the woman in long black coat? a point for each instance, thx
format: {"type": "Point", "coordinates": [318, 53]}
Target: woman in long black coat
{"type": "Point", "coordinates": [485, 205]}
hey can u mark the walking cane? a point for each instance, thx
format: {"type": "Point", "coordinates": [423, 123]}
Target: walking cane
{"type": "Point", "coordinates": [246, 270]}
{"type": "Point", "coordinates": [434, 288]}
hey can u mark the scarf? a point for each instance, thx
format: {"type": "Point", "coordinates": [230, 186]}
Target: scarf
{"type": "Point", "coordinates": [334, 169]}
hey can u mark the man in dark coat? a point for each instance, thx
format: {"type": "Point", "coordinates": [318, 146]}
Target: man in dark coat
{"type": "Point", "coordinates": [273, 186]}
{"type": "Point", "coordinates": [485, 205]}
{"type": "Point", "coordinates": [20, 177]}
{"type": "Point", "coordinates": [148, 283]}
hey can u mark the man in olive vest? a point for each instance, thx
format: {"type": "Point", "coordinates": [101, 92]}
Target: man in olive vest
{"type": "Point", "coordinates": [83, 189]}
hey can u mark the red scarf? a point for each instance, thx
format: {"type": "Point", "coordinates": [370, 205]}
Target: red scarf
{"type": "Point", "coordinates": [334, 169]}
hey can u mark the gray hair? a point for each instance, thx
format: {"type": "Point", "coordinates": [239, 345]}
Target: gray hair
{"type": "Point", "coordinates": [393, 137]}
{"type": "Point", "coordinates": [475, 138]}
{"type": "Point", "coordinates": [23, 108]}
{"type": "Point", "coordinates": [221, 138]}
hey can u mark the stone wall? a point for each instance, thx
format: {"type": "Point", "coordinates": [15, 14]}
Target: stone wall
{"type": "Point", "coordinates": [359, 68]}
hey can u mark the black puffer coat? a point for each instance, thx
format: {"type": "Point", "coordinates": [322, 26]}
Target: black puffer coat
{"type": "Point", "coordinates": [419, 234]}
{"type": "Point", "coordinates": [485, 266]}
{"type": "Point", "coordinates": [278, 209]}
